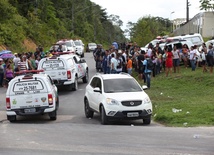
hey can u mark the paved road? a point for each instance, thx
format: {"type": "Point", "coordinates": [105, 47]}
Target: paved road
{"type": "Point", "coordinates": [72, 133]}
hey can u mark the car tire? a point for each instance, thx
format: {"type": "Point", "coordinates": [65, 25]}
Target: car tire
{"type": "Point", "coordinates": [70, 87]}
{"type": "Point", "coordinates": [57, 103]}
{"type": "Point", "coordinates": [11, 118]}
{"type": "Point", "coordinates": [104, 119]}
{"type": "Point", "coordinates": [147, 121]}
{"type": "Point", "coordinates": [88, 112]}
{"type": "Point", "coordinates": [75, 84]}
{"type": "Point", "coordinates": [85, 78]}
{"type": "Point", "coordinates": [53, 115]}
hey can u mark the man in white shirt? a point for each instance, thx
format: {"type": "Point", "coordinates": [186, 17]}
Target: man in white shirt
{"type": "Point", "coordinates": [113, 64]}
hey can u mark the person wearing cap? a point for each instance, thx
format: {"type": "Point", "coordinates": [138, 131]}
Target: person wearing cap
{"type": "Point", "coordinates": [1, 72]}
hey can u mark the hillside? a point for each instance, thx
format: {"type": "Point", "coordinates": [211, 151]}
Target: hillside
{"type": "Point", "coordinates": [28, 23]}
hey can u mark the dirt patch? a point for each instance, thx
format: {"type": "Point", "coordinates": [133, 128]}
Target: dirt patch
{"type": "Point", "coordinates": [29, 45]}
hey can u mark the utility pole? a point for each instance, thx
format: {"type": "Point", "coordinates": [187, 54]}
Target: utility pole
{"type": "Point", "coordinates": [187, 7]}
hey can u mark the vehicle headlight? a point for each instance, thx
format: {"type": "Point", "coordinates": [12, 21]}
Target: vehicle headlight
{"type": "Point", "coordinates": [110, 101]}
{"type": "Point", "coordinates": [147, 100]}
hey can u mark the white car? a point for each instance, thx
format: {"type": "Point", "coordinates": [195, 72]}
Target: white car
{"type": "Point", "coordinates": [31, 94]}
{"type": "Point", "coordinates": [91, 47]}
{"type": "Point", "coordinates": [79, 47]}
{"type": "Point", "coordinates": [65, 69]}
{"type": "Point", "coordinates": [116, 96]}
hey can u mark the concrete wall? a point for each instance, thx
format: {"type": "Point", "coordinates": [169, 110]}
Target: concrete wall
{"type": "Point", "coordinates": [202, 23]}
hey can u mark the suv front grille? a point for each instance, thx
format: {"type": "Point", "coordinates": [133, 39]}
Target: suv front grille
{"type": "Point", "coordinates": [131, 103]}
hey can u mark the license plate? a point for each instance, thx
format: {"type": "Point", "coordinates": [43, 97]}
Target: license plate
{"type": "Point", "coordinates": [31, 110]}
{"type": "Point", "coordinates": [133, 114]}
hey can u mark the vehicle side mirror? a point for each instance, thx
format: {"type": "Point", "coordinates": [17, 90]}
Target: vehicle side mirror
{"type": "Point", "coordinates": [97, 89]}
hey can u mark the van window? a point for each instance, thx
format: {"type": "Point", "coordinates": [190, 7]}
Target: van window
{"type": "Point", "coordinates": [194, 40]}
{"type": "Point", "coordinates": [68, 44]}
{"type": "Point", "coordinates": [53, 64]}
{"type": "Point", "coordinates": [26, 86]}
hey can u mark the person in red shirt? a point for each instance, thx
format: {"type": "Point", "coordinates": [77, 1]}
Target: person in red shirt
{"type": "Point", "coordinates": [169, 62]}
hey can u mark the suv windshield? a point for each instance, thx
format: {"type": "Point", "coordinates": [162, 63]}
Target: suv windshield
{"type": "Point", "coordinates": [77, 43]}
{"type": "Point", "coordinates": [121, 85]}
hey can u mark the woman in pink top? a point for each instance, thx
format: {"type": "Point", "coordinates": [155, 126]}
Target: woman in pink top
{"type": "Point", "coordinates": [8, 74]}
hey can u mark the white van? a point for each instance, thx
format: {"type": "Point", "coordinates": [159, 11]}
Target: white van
{"type": "Point", "coordinates": [195, 38]}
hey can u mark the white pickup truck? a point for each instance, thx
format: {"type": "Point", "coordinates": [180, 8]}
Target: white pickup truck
{"type": "Point", "coordinates": [31, 94]}
{"type": "Point", "coordinates": [65, 69]}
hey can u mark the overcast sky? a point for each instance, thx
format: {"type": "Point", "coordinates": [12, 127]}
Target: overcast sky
{"type": "Point", "coordinates": [132, 10]}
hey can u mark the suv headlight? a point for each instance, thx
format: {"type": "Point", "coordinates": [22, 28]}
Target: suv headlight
{"type": "Point", "coordinates": [147, 100]}
{"type": "Point", "coordinates": [110, 101]}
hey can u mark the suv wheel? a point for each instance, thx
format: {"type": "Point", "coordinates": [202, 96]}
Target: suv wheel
{"type": "Point", "coordinates": [85, 78]}
{"type": "Point", "coordinates": [147, 120]}
{"type": "Point", "coordinates": [104, 119]}
{"type": "Point", "coordinates": [53, 115]}
{"type": "Point", "coordinates": [11, 118]}
{"type": "Point", "coordinates": [75, 84]}
{"type": "Point", "coordinates": [88, 112]}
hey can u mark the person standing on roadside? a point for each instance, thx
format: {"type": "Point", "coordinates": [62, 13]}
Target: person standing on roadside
{"type": "Point", "coordinates": [113, 64]}
{"type": "Point", "coordinates": [176, 59]}
{"type": "Point", "coordinates": [185, 53]}
{"type": "Point", "coordinates": [210, 58]}
{"type": "Point", "coordinates": [16, 59]}
{"type": "Point", "coordinates": [192, 57]}
{"type": "Point", "coordinates": [147, 72]}
{"type": "Point", "coordinates": [169, 62]}
{"type": "Point", "coordinates": [203, 57]}
{"type": "Point", "coordinates": [22, 65]}
{"type": "Point", "coordinates": [140, 65]}
{"type": "Point", "coordinates": [1, 72]}
{"type": "Point", "coordinates": [129, 65]}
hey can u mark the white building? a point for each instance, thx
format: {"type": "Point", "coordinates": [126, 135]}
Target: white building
{"type": "Point", "coordinates": [202, 23]}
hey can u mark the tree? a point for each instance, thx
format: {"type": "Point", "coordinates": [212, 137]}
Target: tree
{"type": "Point", "coordinates": [147, 28]}
{"type": "Point", "coordinates": [207, 5]}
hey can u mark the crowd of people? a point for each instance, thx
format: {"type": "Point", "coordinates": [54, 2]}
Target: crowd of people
{"type": "Point", "coordinates": [168, 60]}
{"type": "Point", "coordinates": [20, 62]}
{"type": "Point", "coordinates": [123, 58]}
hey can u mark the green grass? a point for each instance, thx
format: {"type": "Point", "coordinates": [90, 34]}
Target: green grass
{"type": "Point", "coordinates": [192, 92]}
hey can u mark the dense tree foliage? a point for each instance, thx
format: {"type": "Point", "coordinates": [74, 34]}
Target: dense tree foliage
{"type": "Point", "coordinates": [46, 21]}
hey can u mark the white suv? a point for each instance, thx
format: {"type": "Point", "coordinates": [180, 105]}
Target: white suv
{"type": "Point", "coordinates": [79, 47]}
{"type": "Point", "coordinates": [65, 69]}
{"type": "Point", "coordinates": [31, 94]}
{"type": "Point", "coordinates": [117, 96]}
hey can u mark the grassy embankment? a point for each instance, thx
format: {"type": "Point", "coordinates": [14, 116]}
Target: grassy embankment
{"type": "Point", "coordinates": [184, 99]}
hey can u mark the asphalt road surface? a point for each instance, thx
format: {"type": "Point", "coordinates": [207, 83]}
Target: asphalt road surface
{"type": "Point", "coordinates": [73, 134]}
